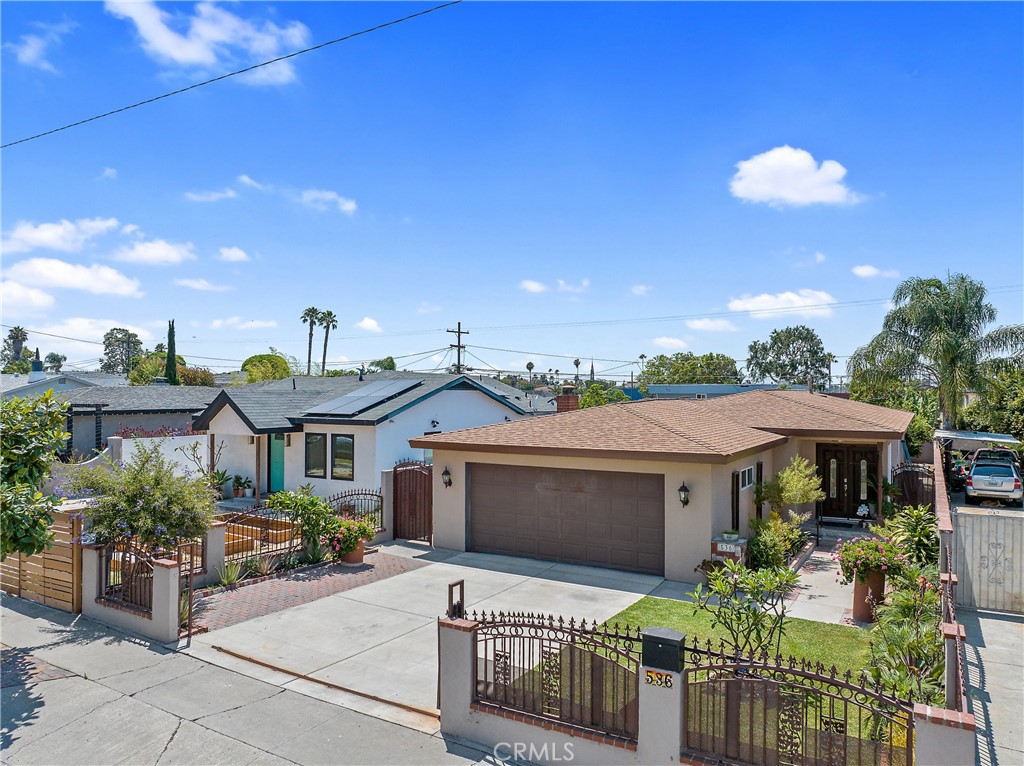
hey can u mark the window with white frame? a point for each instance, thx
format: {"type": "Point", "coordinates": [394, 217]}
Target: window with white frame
{"type": "Point", "coordinates": [747, 477]}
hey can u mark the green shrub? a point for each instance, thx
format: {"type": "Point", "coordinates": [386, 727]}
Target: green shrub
{"type": "Point", "coordinates": [915, 530]}
{"type": "Point", "coordinates": [145, 498]}
{"type": "Point", "coordinates": [313, 516]}
{"type": "Point", "coordinates": [775, 540]}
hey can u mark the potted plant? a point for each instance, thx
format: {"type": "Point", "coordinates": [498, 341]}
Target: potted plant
{"type": "Point", "coordinates": [247, 486]}
{"type": "Point", "coordinates": [731, 535]}
{"type": "Point", "coordinates": [237, 484]}
{"type": "Point", "coordinates": [347, 543]}
{"type": "Point", "coordinates": [220, 478]}
{"type": "Point", "coordinates": [865, 561]}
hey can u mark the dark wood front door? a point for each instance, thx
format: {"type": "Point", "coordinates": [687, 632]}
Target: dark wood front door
{"type": "Point", "coordinates": [848, 475]}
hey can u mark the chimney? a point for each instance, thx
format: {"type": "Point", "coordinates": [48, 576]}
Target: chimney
{"type": "Point", "coordinates": [568, 400]}
{"type": "Point", "coordinates": [37, 370]}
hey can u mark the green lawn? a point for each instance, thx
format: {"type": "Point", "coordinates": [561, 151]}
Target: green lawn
{"type": "Point", "coordinates": [839, 645]}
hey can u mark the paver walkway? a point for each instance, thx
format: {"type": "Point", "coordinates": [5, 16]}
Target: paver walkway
{"type": "Point", "coordinates": [819, 596]}
{"type": "Point", "coordinates": [234, 606]}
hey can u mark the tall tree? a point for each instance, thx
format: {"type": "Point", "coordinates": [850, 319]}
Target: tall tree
{"type": "Point", "coordinates": [265, 367]}
{"type": "Point", "coordinates": [597, 395]}
{"type": "Point", "coordinates": [312, 316]}
{"type": "Point", "coordinates": [54, 361]}
{"type": "Point", "coordinates": [529, 369]}
{"type": "Point", "coordinates": [937, 333]}
{"type": "Point", "coordinates": [171, 368]}
{"type": "Point", "coordinates": [329, 322]}
{"type": "Point", "coordinates": [689, 368]}
{"type": "Point", "coordinates": [791, 356]}
{"type": "Point", "coordinates": [18, 336]}
{"type": "Point", "coordinates": [381, 365]}
{"type": "Point", "coordinates": [121, 348]}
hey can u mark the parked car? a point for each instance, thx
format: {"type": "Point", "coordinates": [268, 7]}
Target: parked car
{"type": "Point", "coordinates": [994, 480]}
{"type": "Point", "coordinates": [989, 454]}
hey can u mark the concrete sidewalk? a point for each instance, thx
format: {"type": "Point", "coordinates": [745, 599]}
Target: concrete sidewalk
{"type": "Point", "coordinates": [994, 666]}
{"type": "Point", "coordinates": [78, 693]}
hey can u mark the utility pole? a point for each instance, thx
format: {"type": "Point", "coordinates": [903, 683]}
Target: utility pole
{"type": "Point", "coordinates": [458, 333]}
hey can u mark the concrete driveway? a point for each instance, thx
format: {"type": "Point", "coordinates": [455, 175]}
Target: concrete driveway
{"type": "Point", "coordinates": [381, 639]}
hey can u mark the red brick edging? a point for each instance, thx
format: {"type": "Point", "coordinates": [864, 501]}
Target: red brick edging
{"type": "Point", "coordinates": [549, 725]}
{"type": "Point", "coordinates": [121, 607]}
{"type": "Point", "coordinates": [945, 717]}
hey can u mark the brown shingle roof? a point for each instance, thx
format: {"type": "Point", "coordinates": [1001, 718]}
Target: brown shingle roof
{"type": "Point", "coordinates": [799, 413]}
{"type": "Point", "coordinates": [712, 430]}
{"type": "Point", "coordinates": [659, 429]}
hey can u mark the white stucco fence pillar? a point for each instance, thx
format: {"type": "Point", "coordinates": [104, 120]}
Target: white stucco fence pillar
{"type": "Point", "coordinates": [659, 738]}
{"type": "Point", "coordinates": [943, 737]}
{"type": "Point", "coordinates": [214, 553]}
{"type": "Point", "coordinates": [387, 511]}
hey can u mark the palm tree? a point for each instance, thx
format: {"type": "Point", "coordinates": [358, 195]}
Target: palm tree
{"type": "Point", "coordinates": [329, 322]}
{"type": "Point", "coordinates": [311, 315]}
{"type": "Point", "coordinates": [54, 361]}
{"type": "Point", "coordinates": [936, 334]}
{"type": "Point", "coordinates": [17, 335]}
{"type": "Point", "coordinates": [529, 369]}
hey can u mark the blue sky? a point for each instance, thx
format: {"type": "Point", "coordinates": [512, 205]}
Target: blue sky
{"type": "Point", "coordinates": [540, 169]}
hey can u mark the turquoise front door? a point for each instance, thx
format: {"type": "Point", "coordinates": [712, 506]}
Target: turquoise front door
{"type": "Point", "coordinates": [277, 462]}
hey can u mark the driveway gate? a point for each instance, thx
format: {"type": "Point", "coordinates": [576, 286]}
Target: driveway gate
{"type": "Point", "coordinates": [413, 504]}
{"type": "Point", "coordinates": [987, 558]}
{"type": "Point", "coordinates": [780, 713]}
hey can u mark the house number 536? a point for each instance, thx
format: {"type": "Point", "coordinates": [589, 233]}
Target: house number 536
{"type": "Point", "coordinates": [654, 678]}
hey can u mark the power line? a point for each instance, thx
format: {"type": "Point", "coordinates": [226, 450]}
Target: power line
{"type": "Point", "coordinates": [233, 74]}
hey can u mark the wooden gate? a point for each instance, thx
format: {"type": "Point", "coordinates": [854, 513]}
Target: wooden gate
{"type": "Point", "coordinates": [413, 503]}
{"type": "Point", "coordinates": [915, 483]}
{"type": "Point", "coordinates": [53, 577]}
{"type": "Point", "coordinates": [988, 544]}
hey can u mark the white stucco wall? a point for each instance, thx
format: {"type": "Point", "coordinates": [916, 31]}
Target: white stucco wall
{"type": "Point", "coordinates": [171, 447]}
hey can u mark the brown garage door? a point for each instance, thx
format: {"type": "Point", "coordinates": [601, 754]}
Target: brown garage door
{"type": "Point", "coordinates": [601, 518]}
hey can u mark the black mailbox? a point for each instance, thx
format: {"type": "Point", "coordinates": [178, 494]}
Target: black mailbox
{"type": "Point", "coordinates": [663, 649]}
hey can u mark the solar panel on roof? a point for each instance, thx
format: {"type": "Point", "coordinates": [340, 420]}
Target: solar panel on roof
{"type": "Point", "coordinates": [363, 398]}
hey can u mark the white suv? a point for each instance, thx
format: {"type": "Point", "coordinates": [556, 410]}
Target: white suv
{"type": "Point", "coordinates": [995, 480]}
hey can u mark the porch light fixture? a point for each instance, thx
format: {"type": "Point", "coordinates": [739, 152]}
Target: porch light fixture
{"type": "Point", "coordinates": [684, 494]}
{"type": "Point", "coordinates": [446, 477]}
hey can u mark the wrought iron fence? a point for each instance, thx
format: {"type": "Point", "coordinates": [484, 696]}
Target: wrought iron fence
{"type": "Point", "coordinates": [775, 711]}
{"type": "Point", "coordinates": [126, 575]}
{"type": "Point", "coordinates": [574, 672]}
{"type": "Point", "coordinates": [916, 484]}
{"type": "Point", "coordinates": [259, 531]}
{"type": "Point", "coordinates": [360, 504]}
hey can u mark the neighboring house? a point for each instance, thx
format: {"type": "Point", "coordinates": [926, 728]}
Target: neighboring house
{"type": "Point", "coordinates": [339, 433]}
{"type": "Point", "coordinates": [602, 486]}
{"type": "Point", "coordinates": [703, 390]}
{"type": "Point", "coordinates": [99, 412]}
{"type": "Point", "coordinates": [38, 382]}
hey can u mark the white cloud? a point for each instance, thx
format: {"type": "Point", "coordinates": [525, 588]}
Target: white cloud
{"type": "Point", "coordinates": [819, 257]}
{"type": "Point", "coordinates": [64, 235]}
{"type": "Point", "coordinates": [671, 343]}
{"type": "Point", "coordinates": [565, 287]}
{"type": "Point", "coordinates": [805, 303]}
{"type": "Point", "coordinates": [367, 323]}
{"type": "Point", "coordinates": [711, 325]}
{"type": "Point", "coordinates": [211, 196]}
{"type": "Point", "coordinates": [131, 228]}
{"type": "Point", "coordinates": [247, 181]}
{"type": "Point", "coordinates": [866, 271]}
{"type": "Point", "coordinates": [427, 308]}
{"type": "Point", "coordinates": [533, 286]}
{"type": "Point", "coordinates": [19, 300]}
{"type": "Point", "coordinates": [214, 39]}
{"type": "Point", "coordinates": [31, 50]}
{"type": "Point", "coordinates": [238, 323]}
{"type": "Point", "coordinates": [640, 289]}
{"type": "Point", "coordinates": [785, 176]}
{"type": "Point", "coordinates": [324, 199]}
{"type": "Point", "coordinates": [54, 273]}
{"type": "Point", "coordinates": [109, 174]}
{"type": "Point", "coordinates": [202, 284]}
{"type": "Point", "coordinates": [233, 254]}
{"type": "Point", "coordinates": [157, 252]}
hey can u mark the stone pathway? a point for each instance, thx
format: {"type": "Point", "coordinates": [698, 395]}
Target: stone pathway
{"type": "Point", "coordinates": [818, 596]}
{"type": "Point", "coordinates": [234, 606]}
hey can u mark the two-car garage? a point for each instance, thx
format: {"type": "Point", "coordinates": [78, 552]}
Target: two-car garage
{"type": "Point", "coordinates": [600, 518]}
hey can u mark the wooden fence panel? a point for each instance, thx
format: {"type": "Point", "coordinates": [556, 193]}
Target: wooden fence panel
{"type": "Point", "coordinates": [54, 577]}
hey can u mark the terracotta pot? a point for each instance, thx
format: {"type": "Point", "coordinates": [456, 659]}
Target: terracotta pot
{"type": "Point", "coordinates": [238, 491]}
{"type": "Point", "coordinates": [353, 558]}
{"type": "Point", "coordinates": [867, 594]}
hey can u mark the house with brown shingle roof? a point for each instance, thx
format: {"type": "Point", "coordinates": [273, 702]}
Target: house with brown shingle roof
{"type": "Point", "coordinates": [602, 486]}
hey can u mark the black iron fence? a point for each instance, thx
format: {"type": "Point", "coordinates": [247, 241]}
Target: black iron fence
{"type": "Point", "coordinates": [126, 575]}
{"type": "Point", "coordinates": [775, 711]}
{"type": "Point", "coordinates": [574, 672]}
{"type": "Point", "coordinates": [257, 532]}
{"type": "Point", "coordinates": [361, 505]}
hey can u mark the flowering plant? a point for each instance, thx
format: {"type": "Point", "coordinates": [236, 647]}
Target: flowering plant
{"type": "Point", "coordinates": [348, 537]}
{"type": "Point", "coordinates": [859, 557]}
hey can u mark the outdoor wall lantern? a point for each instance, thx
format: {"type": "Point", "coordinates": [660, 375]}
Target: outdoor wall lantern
{"type": "Point", "coordinates": [446, 477]}
{"type": "Point", "coordinates": [684, 494]}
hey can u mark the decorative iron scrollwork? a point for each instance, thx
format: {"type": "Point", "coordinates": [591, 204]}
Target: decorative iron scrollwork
{"type": "Point", "coordinates": [791, 726]}
{"type": "Point", "coordinates": [997, 563]}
